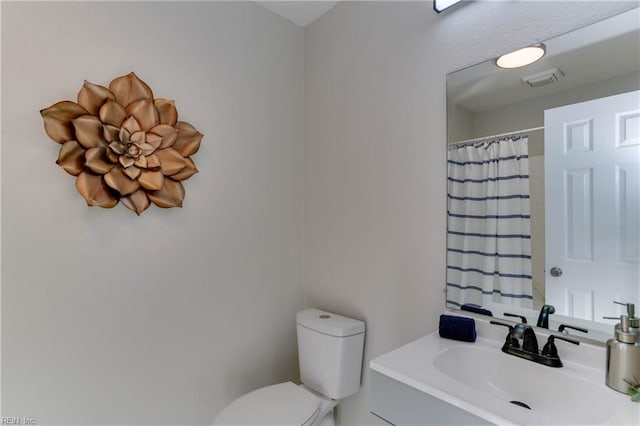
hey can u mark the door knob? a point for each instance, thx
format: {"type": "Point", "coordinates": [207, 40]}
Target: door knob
{"type": "Point", "coordinates": [555, 272]}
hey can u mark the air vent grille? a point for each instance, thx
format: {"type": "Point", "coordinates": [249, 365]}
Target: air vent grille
{"type": "Point", "coordinates": [543, 78]}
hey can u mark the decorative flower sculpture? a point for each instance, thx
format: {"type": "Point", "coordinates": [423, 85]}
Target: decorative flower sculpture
{"type": "Point", "coordinates": [123, 145]}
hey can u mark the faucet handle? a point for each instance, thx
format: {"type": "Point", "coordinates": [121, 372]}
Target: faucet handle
{"type": "Point", "coordinates": [504, 324]}
{"type": "Point", "coordinates": [550, 349]}
{"type": "Point", "coordinates": [523, 319]}
{"type": "Point", "coordinates": [510, 340]}
{"type": "Point", "coordinates": [563, 326]}
{"type": "Point", "coordinates": [519, 332]}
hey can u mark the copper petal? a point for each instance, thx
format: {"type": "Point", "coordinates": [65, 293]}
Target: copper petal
{"type": "Point", "coordinates": [153, 162]}
{"type": "Point", "coordinates": [126, 161]}
{"type": "Point", "coordinates": [131, 125]}
{"type": "Point", "coordinates": [124, 136]}
{"type": "Point", "coordinates": [112, 113]}
{"type": "Point", "coordinates": [57, 120]}
{"type": "Point", "coordinates": [93, 189]}
{"type": "Point", "coordinates": [147, 149]}
{"type": "Point", "coordinates": [189, 138]}
{"type": "Point", "coordinates": [141, 162]}
{"type": "Point", "coordinates": [171, 194]}
{"type": "Point", "coordinates": [93, 96]}
{"type": "Point", "coordinates": [171, 161]}
{"type": "Point", "coordinates": [111, 133]}
{"type": "Point", "coordinates": [139, 137]}
{"type": "Point", "coordinates": [151, 180]}
{"type": "Point", "coordinates": [162, 136]}
{"type": "Point", "coordinates": [112, 156]}
{"type": "Point", "coordinates": [145, 112]}
{"type": "Point", "coordinates": [89, 131]}
{"type": "Point", "coordinates": [97, 160]}
{"type": "Point", "coordinates": [129, 88]}
{"type": "Point", "coordinates": [117, 180]}
{"type": "Point", "coordinates": [132, 171]}
{"type": "Point", "coordinates": [136, 202]}
{"type": "Point", "coordinates": [188, 171]}
{"type": "Point", "coordinates": [71, 158]}
{"type": "Point", "coordinates": [167, 110]}
{"type": "Point", "coordinates": [117, 147]}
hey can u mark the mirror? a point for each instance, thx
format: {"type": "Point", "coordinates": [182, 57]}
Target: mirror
{"type": "Point", "coordinates": [581, 71]}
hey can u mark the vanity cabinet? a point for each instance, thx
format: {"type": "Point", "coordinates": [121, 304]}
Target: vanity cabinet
{"type": "Point", "coordinates": [437, 381]}
{"type": "Point", "coordinates": [394, 403]}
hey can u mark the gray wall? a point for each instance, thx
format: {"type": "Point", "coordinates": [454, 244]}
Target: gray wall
{"type": "Point", "coordinates": [109, 318]}
{"type": "Point", "coordinates": [375, 158]}
{"type": "Point", "coordinates": [164, 318]}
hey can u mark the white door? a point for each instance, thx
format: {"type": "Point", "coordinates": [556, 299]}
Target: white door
{"type": "Point", "coordinates": [592, 192]}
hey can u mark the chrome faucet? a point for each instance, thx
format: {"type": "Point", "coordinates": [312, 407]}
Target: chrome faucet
{"type": "Point", "coordinates": [521, 341]}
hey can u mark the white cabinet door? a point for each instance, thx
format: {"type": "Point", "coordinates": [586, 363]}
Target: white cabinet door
{"type": "Point", "coordinates": [592, 190]}
{"type": "Point", "coordinates": [401, 405]}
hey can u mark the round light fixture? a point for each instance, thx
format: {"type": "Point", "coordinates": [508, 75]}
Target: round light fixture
{"type": "Point", "coordinates": [521, 57]}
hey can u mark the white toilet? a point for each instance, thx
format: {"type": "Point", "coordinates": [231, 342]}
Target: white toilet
{"type": "Point", "coordinates": [330, 352]}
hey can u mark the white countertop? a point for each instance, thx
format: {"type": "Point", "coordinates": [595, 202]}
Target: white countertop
{"type": "Point", "coordinates": [413, 365]}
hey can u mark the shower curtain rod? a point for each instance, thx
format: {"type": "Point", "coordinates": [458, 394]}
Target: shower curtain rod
{"type": "Point", "coordinates": [517, 132]}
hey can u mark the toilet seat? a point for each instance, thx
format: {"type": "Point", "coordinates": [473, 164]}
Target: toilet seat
{"type": "Point", "coordinates": [284, 404]}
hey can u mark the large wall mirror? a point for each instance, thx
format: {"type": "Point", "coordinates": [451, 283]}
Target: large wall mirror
{"type": "Point", "coordinates": [544, 181]}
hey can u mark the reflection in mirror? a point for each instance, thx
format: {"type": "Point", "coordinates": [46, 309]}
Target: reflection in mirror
{"type": "Point", "coordinates": [561, 135]}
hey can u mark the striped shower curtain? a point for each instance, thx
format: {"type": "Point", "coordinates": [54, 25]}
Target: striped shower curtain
{"type": "Point", "coordinates": [488, 230]}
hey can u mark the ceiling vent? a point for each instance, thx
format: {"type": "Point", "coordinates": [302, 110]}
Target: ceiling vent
{"type": "Point", "coordinates": [543, 78]}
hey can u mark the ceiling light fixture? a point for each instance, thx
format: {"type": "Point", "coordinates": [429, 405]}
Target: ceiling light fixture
{"type": "Point", "coordinates": [440, 5]}
{"type": "Point", "coordinates": [521, 57]}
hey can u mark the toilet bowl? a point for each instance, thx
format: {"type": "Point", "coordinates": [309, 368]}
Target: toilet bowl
{"type": "Point", "coordinates": [330, 351]}
{"type": "Point", "coordinates": [285, 404]}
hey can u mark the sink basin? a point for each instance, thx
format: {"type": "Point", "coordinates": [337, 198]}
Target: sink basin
{"type": "Point", "coordinates": [481, 380]}
{"type": "Point", "coordinates": [548, 391]}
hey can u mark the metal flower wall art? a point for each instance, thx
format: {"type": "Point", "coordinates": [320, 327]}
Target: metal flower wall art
{"type": "Point", "coordinates": [124, 145]}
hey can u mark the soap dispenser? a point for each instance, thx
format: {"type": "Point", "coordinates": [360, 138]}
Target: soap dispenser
{"type": "Point", "coordinates": [634, 322]}
{"type": "Point", "coordinates": [623, 357]}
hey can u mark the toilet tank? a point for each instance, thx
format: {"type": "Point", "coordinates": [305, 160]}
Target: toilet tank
{"type": "Point", "coordinates": [330, 351]}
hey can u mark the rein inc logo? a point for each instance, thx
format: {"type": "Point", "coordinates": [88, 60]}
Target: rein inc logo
{"type": "Point", "coordinates": [17, 421]}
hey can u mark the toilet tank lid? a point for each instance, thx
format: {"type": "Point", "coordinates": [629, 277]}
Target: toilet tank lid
{"type": "Point", "coordinates": [329, 323]}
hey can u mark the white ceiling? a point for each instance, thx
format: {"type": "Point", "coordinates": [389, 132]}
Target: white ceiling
{"type": "Point", "coordinates": [299, 12]}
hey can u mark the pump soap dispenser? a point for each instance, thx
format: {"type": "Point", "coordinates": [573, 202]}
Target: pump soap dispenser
{"type": "Point", "coordinates": [623, 355]}
{"type": "Point", "coordinates": [634, 322]}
